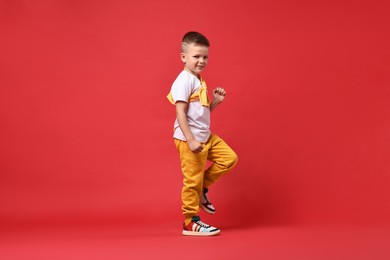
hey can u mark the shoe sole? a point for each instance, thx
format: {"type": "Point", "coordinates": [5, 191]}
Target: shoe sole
{"type": "Point", "coordinates": [206, 209]}
{"type": "Point", "coordinates": [201, 234]}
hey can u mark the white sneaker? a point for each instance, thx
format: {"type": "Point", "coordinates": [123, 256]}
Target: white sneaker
{"type": "Point", "coordinates": [205, 203]}
{"type": "Point", "coordinates": [198, 228]}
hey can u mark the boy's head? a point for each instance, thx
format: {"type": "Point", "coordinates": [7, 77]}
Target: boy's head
{"type": "Point", "coordinates": [194, 52]}
{"type": "Point", "coordinates": [193, 38]}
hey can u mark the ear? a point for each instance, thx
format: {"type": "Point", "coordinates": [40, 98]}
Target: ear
{"type": "Point", "coordinates": [183, 57]}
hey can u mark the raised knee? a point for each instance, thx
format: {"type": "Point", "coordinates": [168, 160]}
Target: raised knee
{"type": "Point", "coordinates": [233, 160]}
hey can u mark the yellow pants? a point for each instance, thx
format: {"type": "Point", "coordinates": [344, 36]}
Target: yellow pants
{"type": "Point", "coordinates": [196, 177]}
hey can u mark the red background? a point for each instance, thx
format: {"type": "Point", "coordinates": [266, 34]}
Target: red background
{"type": "Point", "coordinates": [86, 129]}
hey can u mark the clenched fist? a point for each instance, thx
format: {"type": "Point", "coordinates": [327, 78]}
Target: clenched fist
{"type": "Point", "coordinates": [219, 94]}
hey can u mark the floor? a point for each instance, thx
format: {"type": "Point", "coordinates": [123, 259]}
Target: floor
{"type": "Point", "coordinates": [130, 241]}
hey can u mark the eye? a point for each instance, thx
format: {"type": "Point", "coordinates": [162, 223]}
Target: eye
{"type": "Point", "coordinates": [206, 57]}
{"type": "Point", "coordinates": [196, 56]}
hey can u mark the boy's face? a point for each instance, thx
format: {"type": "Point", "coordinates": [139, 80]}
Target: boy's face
{"type": "Point", "coordinates": [195, 58]}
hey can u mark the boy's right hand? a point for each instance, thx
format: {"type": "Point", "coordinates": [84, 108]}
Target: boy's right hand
{"type": "Point", "coordinates": [195, 146]}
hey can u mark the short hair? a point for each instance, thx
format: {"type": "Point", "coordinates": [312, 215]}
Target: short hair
{"type": "Point", "coordinates": [194, 38]}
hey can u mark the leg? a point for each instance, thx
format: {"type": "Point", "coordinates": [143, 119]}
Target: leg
{"type": "Point", "coordinates": [223, 157]}
{"type": "Point", "coordinates": [192, 165]}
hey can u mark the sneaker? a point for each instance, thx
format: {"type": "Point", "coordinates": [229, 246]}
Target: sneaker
{"type": "Point", "coordinates": [205, 203]}
{"type": "Point", "coordinates": [198, 228]}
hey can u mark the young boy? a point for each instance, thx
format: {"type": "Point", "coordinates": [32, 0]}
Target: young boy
{"type": "Point", "coordinates": [193, 139]}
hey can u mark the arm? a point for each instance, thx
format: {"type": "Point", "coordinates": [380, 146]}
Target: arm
{"type": "Point", "coordinates": [219, 96]}
{"type": "Point", "coordinates": [181, 115]}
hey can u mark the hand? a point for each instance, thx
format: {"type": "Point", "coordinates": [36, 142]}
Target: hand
{"type": "Point", "coordinates": [219, 94]}
{"type": "Point", "coordinates": [195, 146]}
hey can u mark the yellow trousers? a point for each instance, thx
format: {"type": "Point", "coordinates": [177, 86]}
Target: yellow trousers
{"type": "Point", "coordinates": [196, 177]}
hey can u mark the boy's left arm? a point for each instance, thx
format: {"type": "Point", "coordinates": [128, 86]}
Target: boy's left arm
{"type": "Point", "coordinates": [219, 95]}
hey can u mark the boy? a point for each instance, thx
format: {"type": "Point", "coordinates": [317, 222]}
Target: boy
{"type": "Point", "coordinates": [193, 139]}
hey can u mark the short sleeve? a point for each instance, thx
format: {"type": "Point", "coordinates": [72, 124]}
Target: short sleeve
{"type": "Point", "coordinates": [181, 89]}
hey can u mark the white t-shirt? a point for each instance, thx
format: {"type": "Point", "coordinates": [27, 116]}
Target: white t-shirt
{"type": "Point", "coordinates": [198, 116]}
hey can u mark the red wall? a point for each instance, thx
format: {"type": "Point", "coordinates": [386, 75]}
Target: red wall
{"type": "Point", "coordinates": [86, 130]}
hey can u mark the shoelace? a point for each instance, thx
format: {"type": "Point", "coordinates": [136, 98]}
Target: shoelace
{"type": "Point", "coordinates": [200, 223]}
